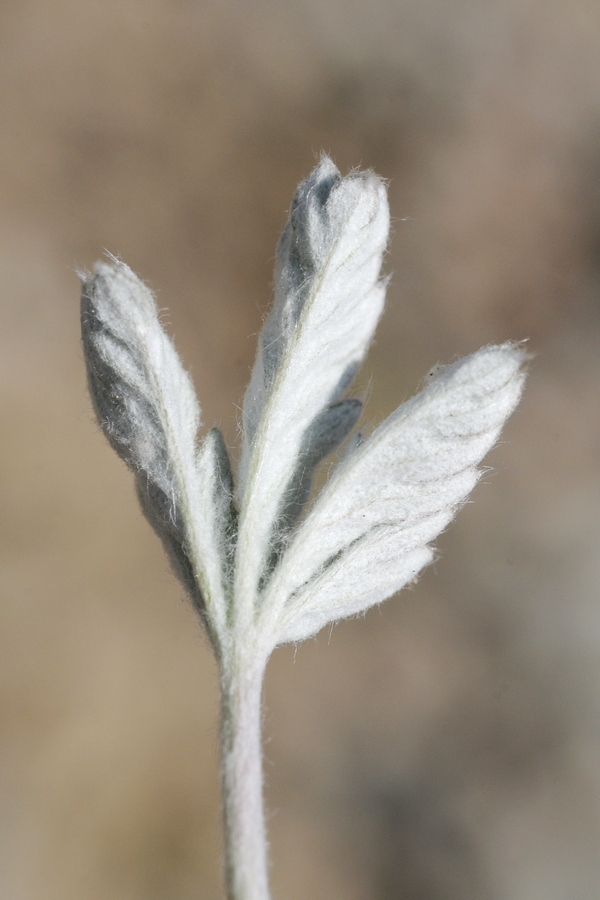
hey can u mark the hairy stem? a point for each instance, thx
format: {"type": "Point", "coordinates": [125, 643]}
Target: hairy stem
{"type": "Point", "coordinates": [246, 863]}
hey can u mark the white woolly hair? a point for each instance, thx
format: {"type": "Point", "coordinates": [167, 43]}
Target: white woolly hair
{"type": "Point", "coordinates": [266, 572]}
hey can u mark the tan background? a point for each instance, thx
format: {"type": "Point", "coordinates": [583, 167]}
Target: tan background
{"type": "Point", "coordinates": [446, 747]}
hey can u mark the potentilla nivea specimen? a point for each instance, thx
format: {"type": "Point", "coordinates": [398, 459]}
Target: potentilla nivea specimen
{"type": "Point", "coordinates": [258, 572]}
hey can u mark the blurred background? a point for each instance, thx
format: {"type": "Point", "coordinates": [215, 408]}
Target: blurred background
{"type": "Point", "coordinates": [446, 746]}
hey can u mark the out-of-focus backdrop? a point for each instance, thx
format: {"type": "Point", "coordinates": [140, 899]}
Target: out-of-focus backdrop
{"type": "Point", "coordinates": [446, 746]}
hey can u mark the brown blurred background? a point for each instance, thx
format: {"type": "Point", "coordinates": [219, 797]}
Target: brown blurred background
{"type": "Point", "coordinates": [447, 746]}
